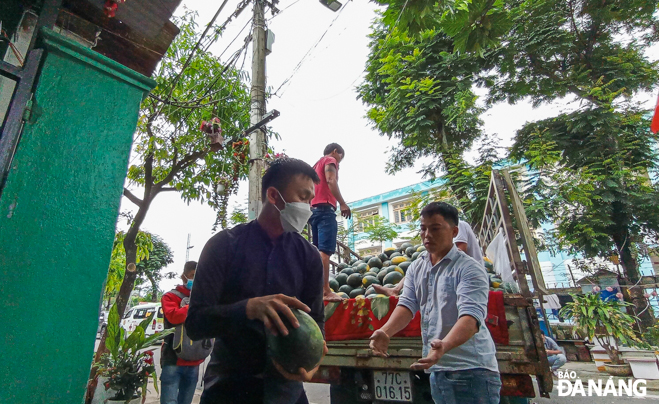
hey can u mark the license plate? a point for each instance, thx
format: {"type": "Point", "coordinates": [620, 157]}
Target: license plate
{"type": "Point", "coordinates": [392, 386]}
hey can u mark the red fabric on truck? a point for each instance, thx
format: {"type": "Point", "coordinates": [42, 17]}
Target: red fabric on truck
{"type": "Point", "coordinates": [358, 318]}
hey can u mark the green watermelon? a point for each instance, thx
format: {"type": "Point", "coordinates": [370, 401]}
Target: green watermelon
{"type": "Point", "coordinates": [361, 268]}
{"type": "Point", "coordinates": [392, 268]}
{"type": "Point", "coordinates": [355, 280]}
{"type": "Point", "coordinates": [342, 266]}
{"type": "Point", "coordinates": [405, 246]}
{"type": "Point", "coordinates": [375, 270]}
{"type": "Point", "coordinates": [367, 258]}
{"type": "Point", "coordinates": [382, 274]}
{"type": "Point", "coordinates": [394, 255]}
{"type": "Point", "coordinates": [375, 262]}
{"type": "Point", "coordinates": [370, 291]}
{"type": "Point", "coordinates": [404, 265]}
{"type": "Point", "coordinates": [345, 289]}
{"type": "Point", "coordinates": [416, 255]}
{"type": "Point", "coordinates": [348, 271]}
{"type": "Point", "coordinates": [389, 285]}
{"type": "Point", "coordinates": [369, 280]}
{"type": "Point", "coordinates": [421, 249]}
{"type": "Point", "coordinates": [409, 251]}
{"type": "Point", "coordinates": [356, 292]}
{"type": "Point", "coordinates": [416, 247]}
{"type": "Point", "coordinates": [371, 296]}
{"type": "Point", "coordinates": [383, 257]}
{"type": "Point", "coordinates": [389, 250]}
{"type": "Point", "coordinates": [386, 263]}
{"type": "Point", "coordinates": [393, 277]}
{"type": "Point", "coordinates": [358, 262]}
{"type": "Point", "coordinates": [343, 295]}
{"type": "Point", "coordinates": [334, 284]}
{"type": "Point", "coordinates": [371, 273]}
{"type": "Point", "coordinates": [341, 279]}
{"type": "Point", "coordinates": [353, 260]}
{"type": "Point", "coordinates": [301, 348]}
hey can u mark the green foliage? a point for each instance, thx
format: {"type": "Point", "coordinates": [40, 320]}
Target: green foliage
{"type": "Point", "coordinates": [600, 319]}
{"type": "Point", "coordinates": [174, 154]}
{"type": "Point", "coordinates": [559, 47]}
{"type": "Point", "coordinates": [127, 366]}
{"type": "Point", "coordinates": [150, 269]}
{"type": "Point", "coordinates": [379, 229]}
{"type": "Point", "coordinates": [474, 25]}
{"type": "Point", "coordinates": [144, 244]}
{"type": "Point", "coordinates": [651, 336]}
{"type": "Point", "coordinates": [591, 177]}
{"type": "Point", "coordinates": [238, 215]}
{"type": "Point", "coordinates": [421, 93]}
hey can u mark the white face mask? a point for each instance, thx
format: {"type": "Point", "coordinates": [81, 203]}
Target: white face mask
{"type": "Point", "coordinates": [294, 216]}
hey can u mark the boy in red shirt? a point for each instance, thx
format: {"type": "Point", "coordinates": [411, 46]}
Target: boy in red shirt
{"type": "Point", "coordinates": [179, 377]}
{"type": "Point", "coordinates": [323, 206]}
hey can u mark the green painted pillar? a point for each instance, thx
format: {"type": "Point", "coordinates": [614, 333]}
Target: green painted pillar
{"type": "Point", "coordinates": [57, 220]}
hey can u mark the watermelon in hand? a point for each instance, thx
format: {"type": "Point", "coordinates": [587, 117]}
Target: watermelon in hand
{"type": "Point", "coordinates": [303, 346]}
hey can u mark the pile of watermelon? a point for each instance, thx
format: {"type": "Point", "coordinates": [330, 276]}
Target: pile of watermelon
{"type": "Point", "coordinates": [496, 283]}
{"type": "Point", "coordinates": [387, 269]}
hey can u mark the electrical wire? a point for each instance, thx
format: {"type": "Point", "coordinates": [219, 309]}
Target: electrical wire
{"type": "Point", "coordinates": [236, 37]}
{"type": "Point", "coordinates": [282, 10]}
{"type": "Point", "coordinates": [306, 55]}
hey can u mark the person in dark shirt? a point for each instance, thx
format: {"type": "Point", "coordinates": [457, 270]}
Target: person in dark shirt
{"type": "Point", "coordinates": [247, 278]}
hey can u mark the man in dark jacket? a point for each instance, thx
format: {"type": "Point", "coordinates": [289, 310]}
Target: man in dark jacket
{"type": "Point", "coordinates": [179, 377]}
{"type": "Point", "coordinates": [248, 278]}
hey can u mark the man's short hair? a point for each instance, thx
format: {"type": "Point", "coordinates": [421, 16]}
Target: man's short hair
{"type": "Point", "coordinates": [334, 146]}
{"type": "Point", "coordinates": [448, 212]}
{"type": "Point", "coordinates": [282, 170]}
{"type": "Point", "coordinates": [189, 267]}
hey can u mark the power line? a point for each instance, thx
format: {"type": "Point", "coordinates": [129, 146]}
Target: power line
{"type": "Point", "coordinates": [282, 10]}
{"type": "Point", "coordinates": [314, 46]}
{"type": "Point", "coordinates": [236, 37]}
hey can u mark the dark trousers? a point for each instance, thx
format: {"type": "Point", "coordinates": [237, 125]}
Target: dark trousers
{"type": "Point", "coordinates": [252, 390]}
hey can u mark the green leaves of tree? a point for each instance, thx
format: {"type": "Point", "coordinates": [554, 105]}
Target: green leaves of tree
{"type": "Point", "coordinates": [380, 230]}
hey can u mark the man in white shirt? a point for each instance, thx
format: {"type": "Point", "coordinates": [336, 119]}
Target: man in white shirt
{"type": "Point", "coordinates": [465, 240]}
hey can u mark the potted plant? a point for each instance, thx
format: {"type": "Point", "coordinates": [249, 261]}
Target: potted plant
{"type": "Point", "coordinates": [128, 364]}
{"type": "Point", "coordinates": [605, 322]}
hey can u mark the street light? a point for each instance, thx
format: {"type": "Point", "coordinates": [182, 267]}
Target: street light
{"type": "Point", "coordinates": [332, 5]}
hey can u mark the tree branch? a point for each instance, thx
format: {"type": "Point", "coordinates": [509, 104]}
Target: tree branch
{"type": "Point", "coordinates": [166, 189]}
{"type": "Point", "coordinates": [137, 201]}
{"type": "Point", "coordinates": [184, 163]}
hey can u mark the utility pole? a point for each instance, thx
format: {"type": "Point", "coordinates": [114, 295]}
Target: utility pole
{"type": "Point", "coordinates": [257, 96]}
{"type": "Point", "coordinates": [187, 249]}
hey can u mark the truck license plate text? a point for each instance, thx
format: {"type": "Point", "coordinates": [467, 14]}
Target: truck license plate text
{"type": "Point", "coordinates": [392, 386]}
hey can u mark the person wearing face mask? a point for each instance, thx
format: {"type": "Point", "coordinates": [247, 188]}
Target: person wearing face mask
{"type": "Point", "coordinates": [179, 377]}
{"type": "Point", "coordinates": [323, 220]}
{"type": "Point", "coordinates": [248, 279]}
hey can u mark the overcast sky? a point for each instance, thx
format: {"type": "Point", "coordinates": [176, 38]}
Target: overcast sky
{"type": "Point", "coordinates": [318, 106]}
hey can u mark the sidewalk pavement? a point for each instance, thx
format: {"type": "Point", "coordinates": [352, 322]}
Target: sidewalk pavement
{"type": "Point", "coordinates": [588, 371]}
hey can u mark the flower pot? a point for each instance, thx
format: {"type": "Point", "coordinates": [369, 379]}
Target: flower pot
{"type": "Point", "coordinates": [623, 370]}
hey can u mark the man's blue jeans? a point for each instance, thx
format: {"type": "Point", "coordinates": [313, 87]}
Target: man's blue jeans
{"type": "Point", "coordinates": [177, 384]}
{"type": "Point", "coordinates": [556, 361]}
{"type": "Point", "coordinates": [474, 386]}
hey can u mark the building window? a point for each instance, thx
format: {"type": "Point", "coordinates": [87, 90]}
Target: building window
{"type": "Point", "coordinates": [402, 212]}
{"type": "Point", "coordinates": [365, 218]}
